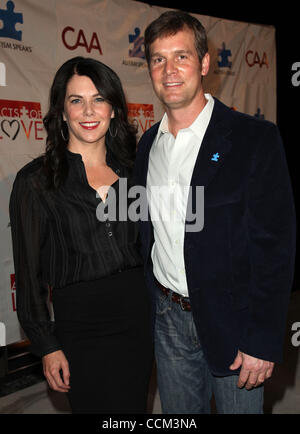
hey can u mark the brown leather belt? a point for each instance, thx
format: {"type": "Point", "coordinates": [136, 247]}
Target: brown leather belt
{"type": "Point", "coordinates": [184, 303]}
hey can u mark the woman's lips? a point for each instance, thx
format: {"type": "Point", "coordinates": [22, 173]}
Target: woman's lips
{"type": "Point", "coordinates": [89, 125]}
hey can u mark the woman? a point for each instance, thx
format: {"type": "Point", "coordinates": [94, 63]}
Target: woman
{"type": "Point", "coordinates": [99, 347]}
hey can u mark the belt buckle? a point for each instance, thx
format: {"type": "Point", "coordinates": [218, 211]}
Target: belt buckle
{"type": "Point", "coordinates": [181, 304]}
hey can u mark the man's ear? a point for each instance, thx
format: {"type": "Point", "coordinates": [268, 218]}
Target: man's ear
{"type": "Point", "coordinates": [205, 64]}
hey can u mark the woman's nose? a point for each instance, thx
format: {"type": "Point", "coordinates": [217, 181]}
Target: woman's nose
{"type": "Point", "coordinates": [88, 109]}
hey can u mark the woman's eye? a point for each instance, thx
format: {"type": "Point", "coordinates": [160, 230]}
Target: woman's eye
{"type": "Point", "coordinates": [75, 101]}
{"type": "Point", "coordinates": [99, 99]}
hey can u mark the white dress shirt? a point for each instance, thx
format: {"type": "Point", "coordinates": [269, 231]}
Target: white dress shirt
{"type": "Point", "coordinates": [171, 164]}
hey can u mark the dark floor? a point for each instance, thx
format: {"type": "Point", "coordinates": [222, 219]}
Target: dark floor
{"type": "Point", "coordinates": [29, 394]}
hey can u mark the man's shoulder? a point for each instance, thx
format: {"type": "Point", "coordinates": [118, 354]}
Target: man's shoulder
{"type": "Point", "coordinates": [244, 127]}
{"type": "Point", "coordinates": [149, 135]}
{"type": "Point", "coordinates": [242, 120]}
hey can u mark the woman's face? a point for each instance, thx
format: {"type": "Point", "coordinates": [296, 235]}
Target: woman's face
{"type": "Point", "coordinates": [86, 113]}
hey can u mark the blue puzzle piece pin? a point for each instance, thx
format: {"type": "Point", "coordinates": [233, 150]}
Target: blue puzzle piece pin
{"type": "Point", "coordinates": [215, 157]}
{"type": "Point", "coordinates": [10, 19]}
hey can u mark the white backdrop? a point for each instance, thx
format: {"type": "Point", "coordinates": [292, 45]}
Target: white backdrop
{"type": "Point", "coordinates": [37, 37]}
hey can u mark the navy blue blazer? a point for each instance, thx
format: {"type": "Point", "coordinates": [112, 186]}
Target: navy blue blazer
{"type": "Point", "coordinates": [240, 266]}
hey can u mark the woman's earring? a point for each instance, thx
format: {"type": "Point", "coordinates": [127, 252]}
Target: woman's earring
{"type": "Point", "coordinates": [62, 132]}
{"type": "Point", "coordinates": [113, 135]}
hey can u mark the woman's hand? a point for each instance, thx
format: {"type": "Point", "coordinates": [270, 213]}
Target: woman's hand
{"type": "Point", "coordinates": [53, 364]}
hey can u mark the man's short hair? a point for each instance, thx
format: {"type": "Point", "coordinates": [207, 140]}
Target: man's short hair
{"type": "Point", "coordinates": [171, 22]}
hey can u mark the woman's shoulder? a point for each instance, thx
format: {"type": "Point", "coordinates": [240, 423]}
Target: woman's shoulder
{"type": "Point", "coordinates": [30, 177]}
{"type": "Point", "coordinates": [31, 169]}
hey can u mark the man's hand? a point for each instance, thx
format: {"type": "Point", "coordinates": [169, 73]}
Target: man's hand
{"type": "Point", "coordinates": [253, 372]}
{"type": "Point", "coordinates": [53, 363]}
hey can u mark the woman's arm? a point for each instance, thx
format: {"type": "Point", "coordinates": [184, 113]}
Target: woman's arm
{"type": "Point", "coordinates": [26, 220]}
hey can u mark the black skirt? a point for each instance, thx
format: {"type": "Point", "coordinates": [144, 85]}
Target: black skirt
{"type": "Point", "coordinates": [105, 332]}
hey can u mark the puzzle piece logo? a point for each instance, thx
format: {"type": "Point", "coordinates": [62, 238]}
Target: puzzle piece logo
{"type": "Point", "coordinates": [215, 157]}
{"type": "Point", "coordinates": [224, 54]}
{"type": "Point", "coordinates": [10, 19]}
{"type": "Point", "coordinates": [259, 115]}
{"type": "Point", "coordinates": [138, 44]}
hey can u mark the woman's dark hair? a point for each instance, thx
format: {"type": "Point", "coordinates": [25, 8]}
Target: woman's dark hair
{"type": "Point", "coordinates": [123, 142]}
{"type": "Point", "coordinates": [171, 22]}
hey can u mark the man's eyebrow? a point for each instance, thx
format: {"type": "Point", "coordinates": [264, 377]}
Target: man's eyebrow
{"type": "Point", "coordinates": [157, 53]}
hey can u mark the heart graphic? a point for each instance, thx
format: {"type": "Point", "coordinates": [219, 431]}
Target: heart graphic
{"type": "Point", "coordinates": [15, 130]}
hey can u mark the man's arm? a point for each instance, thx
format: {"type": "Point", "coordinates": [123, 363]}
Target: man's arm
{"type": "Point", "coordinates": [272, 238]}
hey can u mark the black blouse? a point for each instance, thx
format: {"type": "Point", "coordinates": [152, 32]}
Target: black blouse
{"type": "Point", "coordinates": [58, 240]}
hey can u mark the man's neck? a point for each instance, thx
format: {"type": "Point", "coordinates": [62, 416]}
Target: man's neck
{"type": "Point", "coordinates": [181, 118]}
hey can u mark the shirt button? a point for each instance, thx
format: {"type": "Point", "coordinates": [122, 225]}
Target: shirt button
{"type": "Point", "coordinates": [107, 224]}
{"type": "Point", "coordinates": [109, 234]}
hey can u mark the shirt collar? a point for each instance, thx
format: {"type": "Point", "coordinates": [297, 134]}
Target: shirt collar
{"type": "Point", "coordinates": [111, 160]}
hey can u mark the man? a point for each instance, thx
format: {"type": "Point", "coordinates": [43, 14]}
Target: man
{"type": "Point", "coordinates": [220, 291]}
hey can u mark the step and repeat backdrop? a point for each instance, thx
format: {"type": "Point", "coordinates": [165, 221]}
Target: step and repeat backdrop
{"type": "Point", "coordinates": [37, 37]}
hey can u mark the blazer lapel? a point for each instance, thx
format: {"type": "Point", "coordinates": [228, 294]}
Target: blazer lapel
{"type": "Point", "coordinates": [148, 146]}
{"type": "Point", "coordinates": [215, 146]}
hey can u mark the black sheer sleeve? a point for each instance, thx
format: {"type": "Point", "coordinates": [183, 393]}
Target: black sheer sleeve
{"type": "Point", "coordinates": [27, 225]}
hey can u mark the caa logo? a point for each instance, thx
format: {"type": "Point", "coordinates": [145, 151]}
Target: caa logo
{"type": "Point", "coordinates": [71, 40]}
{"type": "Point", "coordinates": [296, 76]}
{"type": "Point", "coordinates": [2, 74]}
{"type": "Point", "coordinates": [10, 19]}
{"type": "Point", "coordinates": [253, 58]}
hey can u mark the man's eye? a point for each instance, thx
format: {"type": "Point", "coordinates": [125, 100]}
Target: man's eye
{"type": "Point", "coordinates": [157, 60]}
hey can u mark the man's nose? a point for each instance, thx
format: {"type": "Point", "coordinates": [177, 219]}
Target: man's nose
{"type": "Point", "coordinates": [170, 66]}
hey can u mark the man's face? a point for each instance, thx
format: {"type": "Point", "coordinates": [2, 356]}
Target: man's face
{"type": "Point", "coordinates": [175, 70]}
